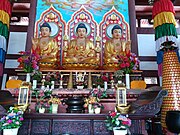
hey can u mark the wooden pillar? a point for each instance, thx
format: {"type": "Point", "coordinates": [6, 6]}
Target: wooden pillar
{"type": "Point", "coordinates": [133, 30]}
{"type": "Point", "coordinates": [32, 17]}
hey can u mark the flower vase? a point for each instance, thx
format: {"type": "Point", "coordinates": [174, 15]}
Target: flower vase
{"type": "Point", "coordinates": [13, 131]}
{"type": "Point", "coordinates": [54, 108]}
{"type": "Point", "coordinates": [80, 87]}
{"type": "Point", "coordinates": [28, 77]}
{"type": "Point", "coordinates": [34, 84]}
{"type": "Point", "coordinates": [61, 84]}
{"type": "Point", "coordinates": [52, 86]}
{"type": "Point", "coordinates": [90, 109]}
{"type": "Point", "coordinates": [127, 81]}
{"type": "Point", "coordinates": [119, 131]}
{"type": "Point", "coordinates": [105, 85]}
{"type": "Point", "coordinates": [41, 110]}
{"type": "Point", "coordinates": [97, 110]}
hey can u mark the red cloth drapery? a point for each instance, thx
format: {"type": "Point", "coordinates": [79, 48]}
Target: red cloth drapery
{"type": "Point", "coordinates": [162, 6]}
{"type": "Point", "coordinates": [6, 6]}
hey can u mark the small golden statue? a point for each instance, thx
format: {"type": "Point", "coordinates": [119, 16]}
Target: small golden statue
{"type": "Point", "coordinates": [114, 47]}
{"type": "Point", "coordinates": [47, 48]}
{"type": "Point", "coordinates": [81, 53]}
{"type": "Point", "coordinates": [80, 79]}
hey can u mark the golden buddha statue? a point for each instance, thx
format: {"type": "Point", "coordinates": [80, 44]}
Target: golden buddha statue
{"type": "Point", "coordinates": [47, 48]}
{"type": "Point", "coordinates": [113, 47]}
{"type": "Point", "coordinates": [81, 53]}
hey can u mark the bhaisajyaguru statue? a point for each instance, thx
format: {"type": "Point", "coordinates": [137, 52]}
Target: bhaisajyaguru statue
{"type": "Point", "coordinates": [47, 48]}
{"type": "Point", "coordinates": [115, 46]}
{"type": "Point", "coordinates": [81, 50]}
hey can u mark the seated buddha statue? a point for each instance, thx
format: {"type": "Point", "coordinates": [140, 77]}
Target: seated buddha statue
{"type": "Point", "coordinates": [115, 46]}
{"type": "Point", "coordinates": [46, 47]}
{"type": "Point", "coordinates": [81, 52]}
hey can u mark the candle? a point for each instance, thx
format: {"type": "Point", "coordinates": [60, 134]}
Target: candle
{"type": "Point", "coordinates": [118, 96]}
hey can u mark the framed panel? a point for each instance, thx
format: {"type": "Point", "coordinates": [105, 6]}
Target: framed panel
{"type": "Point", "coordinates": [23, 95]}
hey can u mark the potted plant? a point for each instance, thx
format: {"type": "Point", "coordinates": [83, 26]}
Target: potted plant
{"type": "Point", "coordinates": [54, 102]}
{"type": "Point", "coordinates": [41, 99]}
{"type": "Point", "coordinates": [94, 98]}
{"type": "Point", "coordinates": [42, 104]}
{"type": "Point", "coordinates": [89, 103]}
{"type": "Point", "coordinates": [11, 122]}
{"type": "Point", "coordinates": [97, 107]}
{"type": "Point", "coordinates": [118, 123]}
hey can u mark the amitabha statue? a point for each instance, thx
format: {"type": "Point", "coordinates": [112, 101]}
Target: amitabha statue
{"type": "Point", "coordinates": [81, 53]}
{"type": "Point", "coordinates": [115, 46]}
{"type": "Point", "coordinates": [47, 48]}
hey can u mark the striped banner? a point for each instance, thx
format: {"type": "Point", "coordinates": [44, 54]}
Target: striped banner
{"type": "Point", "coordinates": [5, 15]}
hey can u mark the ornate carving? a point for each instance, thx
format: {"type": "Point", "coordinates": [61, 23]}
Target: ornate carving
{"type": "Point", "coordinates": [136, 126]}
{"type": "Point", "coordinates": [23, 130]}
{"type": "Point", "coordinates": [100, 128]}
{"type": "Point", "coordinates": [40, 127]}
{"type": "Point", "coordinates": [71, 127]}
{"type": "Point", "coordinates": [149, 103]}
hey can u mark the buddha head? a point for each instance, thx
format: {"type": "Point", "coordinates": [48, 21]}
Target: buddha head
{"type": "Point", "coordinates": [116, 32]}
{"type": "Point", "coordinates": [45, 29]}
{"type": "Point", "coordinates": [81, 30]}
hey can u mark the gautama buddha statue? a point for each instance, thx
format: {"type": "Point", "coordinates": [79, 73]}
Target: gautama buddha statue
{"type": "Point", "coordinates": [81, 51]}
{"type": "Point", "coordinates": [115, 46]}
{"type": "Point", "coordinates": [46, 47]}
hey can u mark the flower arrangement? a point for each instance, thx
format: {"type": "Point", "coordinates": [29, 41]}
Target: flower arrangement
{"type": "Point", "coordinates": [94, 98]}
{"type": "Point", "coordinates": [36, 75]}
{"type": "Point", "coordinates": [54, 100]}
{"type": "Point", "coordinates": [99, 81]}
{"type": "Point", "coordinates": [128, 62]}
{"type": "Point", "coordinates": [104, 77]}
{"type": "Point", "coordinates": [13, 119]}
{"type": "Point", "coordinates": [90, 100]}
{"type": "Point", "coordinates": [41, 98]}
{"type": "Point", "coordinates": [98, 105]}
{"type": "Point", "coordinates": [28, 61]}
{"type": "Point", "coordinates": [115, 119]}
{"type": "Point", "coordinates": [98, 93]}
{"type": "Point", "coordinates": [52, 76]}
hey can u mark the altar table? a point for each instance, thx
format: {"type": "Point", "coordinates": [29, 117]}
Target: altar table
{"type": "Point", "coordinates": [74, 124]}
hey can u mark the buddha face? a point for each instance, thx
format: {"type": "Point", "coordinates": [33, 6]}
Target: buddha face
{"type": "Point", "coordinates": [81, 32]}
{"type": "Point", "coordinates": [116, 33]}
{"type": "Point", "coordinates": [45, 32]}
